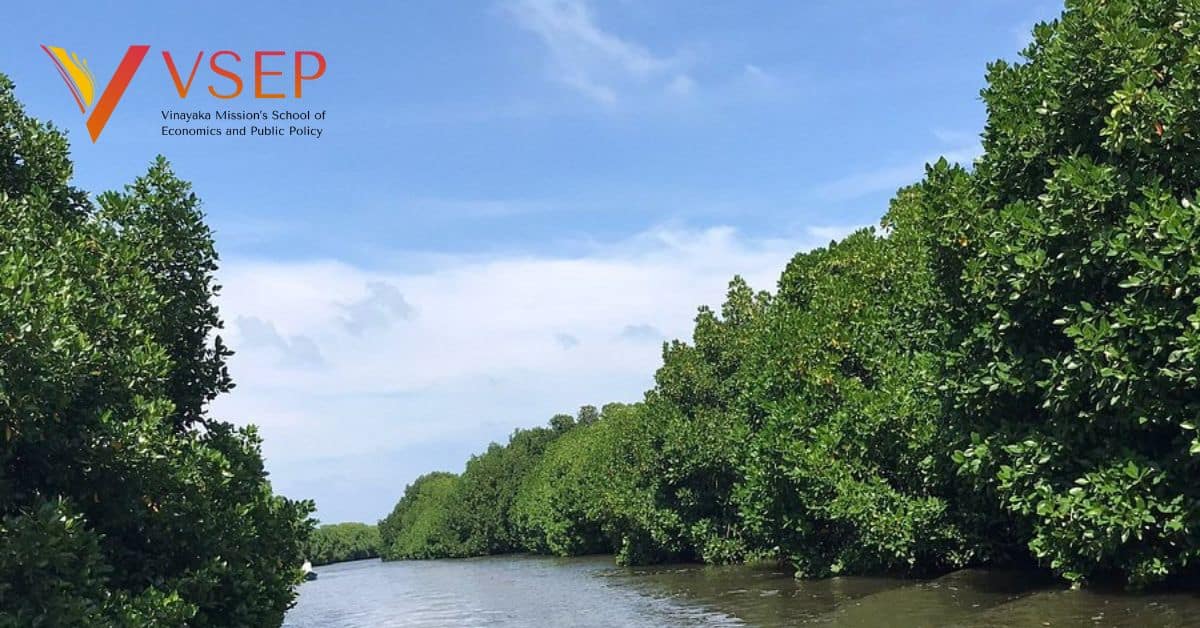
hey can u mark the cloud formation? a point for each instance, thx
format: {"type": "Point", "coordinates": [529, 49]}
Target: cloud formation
{"type": "Point", "coordinates": [641, 333]}
{"type": "Point", "coordinates": [590, 60]}
{"type": "Point", "coordinates": [892, 177]}
{"type": "Point", "coordinates": [465, 350]}
{"type": "Point", "coordinates": [383, 305]}
{"type": "Point", "coordinates": [566, 341]}
{"type": "Point", "coordinates": [258, 334]}
{"type": "Point", "coordinates": [828, 233]}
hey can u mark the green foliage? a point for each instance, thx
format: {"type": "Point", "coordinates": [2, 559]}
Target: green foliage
{"type": "Point", "coordinates": [559, 508]}
{"type": "Point", "coordinates": [696, 407]}
{"type": "Point", "coordinates": [159, 218]}
{"type": "Point", "coordinates": [1071, 256]}
{"type": "Point", "coordinates": [121, 502]}
{"type": "Point", "coordinates": [576, 500]}
{"type": "Point", "coordinates": [420, 524]}
{"type": "Point", "coordinates": [337, 542]}
{"type": "Point", "coordinates": [1008, 372]}
{"type": "Point", "coordinates": [842, 470]}
{"type": "Point", "coordinates": [487, 489]}
{"type": "Point", "coordinates": [442, 515]}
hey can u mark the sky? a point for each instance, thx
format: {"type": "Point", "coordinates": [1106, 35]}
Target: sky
{"type": "Point", "coordinates": [513, 202]}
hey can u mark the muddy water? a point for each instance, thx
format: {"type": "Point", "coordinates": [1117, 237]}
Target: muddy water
{"type": "Point", "coordinates": [548, 592]}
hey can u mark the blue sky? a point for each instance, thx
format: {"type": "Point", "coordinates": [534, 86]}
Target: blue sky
{"type": "Point", "coordinates": [514, 201]}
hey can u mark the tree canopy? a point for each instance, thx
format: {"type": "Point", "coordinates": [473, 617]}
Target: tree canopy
{"type": "Point", "coordinates": [337, 542]}
{"type": "Point", "coordinates": [1004, 372]}
{"type": "Point", "coordinates": [122, 503]}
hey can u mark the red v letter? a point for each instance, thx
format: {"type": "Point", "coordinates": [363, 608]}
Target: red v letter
{"type": "Point", "coordinates": [180, 87]}
{"type": "Point", "coordinates": [116, 88]}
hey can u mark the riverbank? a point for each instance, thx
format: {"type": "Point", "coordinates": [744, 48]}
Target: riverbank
{"type": "Point", "coordinates": [591, 591]}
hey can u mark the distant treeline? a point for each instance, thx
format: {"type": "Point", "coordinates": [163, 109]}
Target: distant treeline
{"type": "Point", "coordinates": [337, 542]}
{"type": "Point", "coordinates": [1005, 373]}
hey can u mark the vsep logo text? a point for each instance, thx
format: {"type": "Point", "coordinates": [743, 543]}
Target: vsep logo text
{"type": "Point", "coordinates": [82, 83]}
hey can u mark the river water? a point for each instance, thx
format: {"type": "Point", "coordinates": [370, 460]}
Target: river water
{"type": "Point", "coordinates": [551, 592]}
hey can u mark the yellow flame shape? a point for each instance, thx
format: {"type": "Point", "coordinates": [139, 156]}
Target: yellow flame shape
{"type": "Point", "coordinates": [77, 69]}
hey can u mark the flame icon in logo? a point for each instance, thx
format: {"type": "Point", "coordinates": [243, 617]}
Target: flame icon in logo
{"type": "Point", "coordinates": [79, 79]}
{"type": "Point", "coordinates": [76, 74]}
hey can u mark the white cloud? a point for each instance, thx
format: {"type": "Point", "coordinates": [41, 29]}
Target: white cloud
{"type": "Point", "coordinates": [566, 341]}
{"type": "Point", "coordinates": [589, 59]}
{"type": "Point", "coordinates": [641, 333]}
{"type": "Point", "coordinates": [759, 76]}
{"type": "Point", "coordinates": [259, 334]}
{"type": "Point", "coordinates": [892, 177]}
{"type": "Point", "coordinates": [681, 85]}
{"type": "Point", "coordinates": [383, 306]}
{"type": "Point", "coordinates": [494, 343]}
{"type": "Point", "coordinates": [828, 233]}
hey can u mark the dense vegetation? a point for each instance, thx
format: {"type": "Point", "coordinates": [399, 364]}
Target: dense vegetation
{"type": "Point", "coordinates": [121, 502]}
{"type": "Point", "coordinates": [420, 525]}
{"type": "Point", "coordinates": [337, 542]}
{"type": "Point", "coordinates": [1005, 373]}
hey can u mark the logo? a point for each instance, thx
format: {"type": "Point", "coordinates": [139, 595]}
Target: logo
{"type": "Point", "coordinates": [82, 83]}
{"type": "Point", "coordinates": [79, 79]}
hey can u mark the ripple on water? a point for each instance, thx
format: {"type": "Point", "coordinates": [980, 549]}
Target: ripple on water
{"type": "Point", "coordinates": [544, 592]}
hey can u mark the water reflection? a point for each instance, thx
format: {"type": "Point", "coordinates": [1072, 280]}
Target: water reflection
{"type": "Point", "coordinates": [548, 592]}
